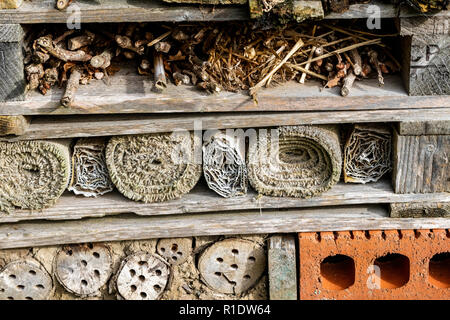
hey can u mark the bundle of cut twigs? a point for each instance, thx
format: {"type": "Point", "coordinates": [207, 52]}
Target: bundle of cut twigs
{"type": "Point", "coordinates": [213, 57]}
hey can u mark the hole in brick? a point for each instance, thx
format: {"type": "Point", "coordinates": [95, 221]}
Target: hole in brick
{"type": "Point", "coordinates": [416, 234]}
{"type": "Point", "coordinates": [174, 247]}
{"type": "Point", "coordinates": [393, 271]}
{"type": "Point", "coordinates": [220, 260]}
{"type": "Point", "coordinates": [143, 295]}
{"type": "Point", "coordinates": [84, 282]}
{"type": "Point", "coordinates": [335, 235]}
{"type": "Point", "coordinates": [158, 272]}
{"type": "Point", "coordinates": [96, 254]}
{"type": "Point", "coordinates": [439, 270]}
{"type": "Point", "coordinates": [28, 298]}
{"type": "Point", "coordinates": [338, 272]}
{"type": "Point", "coordinates": [132, 272]}
{"type": "Point", "coordinates": [318, 236]}
{"type": "Point", "coordinates": [133, 288]}
{"type": "Point", "coordinates": [400, 234]}
{"type": "Point", "coordinates": [367, 234]}
{"type": "Point", "coordinates": [235, 251]}
{"type": "Point", "coordinates": [32, 272]}
{"type": "Point", "coordinates": [383, 235]}
{"type": "Point", "coordinates": [84, 262]}
{"type": "Point", "coordinates": [352, 236]}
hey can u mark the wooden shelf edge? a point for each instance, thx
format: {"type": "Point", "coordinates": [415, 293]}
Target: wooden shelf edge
{"type": "Point", "coordinates": [110, 125]}
{"type": "Point", "coordinates": [121, 228]}
{"type": "Point", "coordinates": [203, 200]}
{"type": "Point", "coordinates": [131, 93]}
{"type": "Point", "coordinates": [149, 11]}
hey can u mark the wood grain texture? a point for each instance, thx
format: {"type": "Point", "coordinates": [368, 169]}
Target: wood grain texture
{"type": "Point", "coordinates": [43, 11]}
{"type": "Point", "coordinates": [282, 263]}
{"type": "Point", "coordinates": [420, 210]}
{"type": "Point", "coordinates": [35, 234]}
{"type": "Point", "coordinates": [418, 128]}
{"type": "Point", "coordinates": [15, 125]}
{"type": "Point", "coordinates": [129, 92]}
{"type": "Point", "coordinates": [12, 84]}
{"type": "Point", "coordinates": [48, 127]}
{"type": "Point", "coordinates": [203, 200]}
{"type": "Point", "coordinates": [426, 55]}
{"type": "Point", "coordinates": [421, 163]}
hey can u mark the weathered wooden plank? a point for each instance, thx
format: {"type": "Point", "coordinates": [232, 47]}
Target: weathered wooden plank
{"type": "Point", "coordinates": [47, 127]}
{"type": "Point", "coordinates": [130, 93]}
{"type": "Point", "coordinates": [418, 128]}
{"type": "Point", "coordinates": [136, 228]}
{"type": "Point", "coordinates": [202, 200]}
{"type": "Point", "coordinates": [15, 125]}
{"type": "Point", "coordinates": [421, 163]}
{"type": "Point", "coordinates": [420, 210]}
{"type": "Point", "coordinates": [44, 11]}
{"type": "Point", "coordinates": [282, 262]}
{"type": "Point", "coordinates": [426, 55]}
{"type": "Point", "coordinates": [12, 84]}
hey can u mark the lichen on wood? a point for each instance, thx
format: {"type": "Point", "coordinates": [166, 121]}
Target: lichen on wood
{"type": "Point", "coordinates": [154, 167]}
{"type": "Point", "coordinates": [295, 161]}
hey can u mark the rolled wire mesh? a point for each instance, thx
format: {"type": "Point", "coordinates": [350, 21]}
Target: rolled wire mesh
{"type": "Point", "coordinates": [34, 174]}
{"type": "Point", "coordinates": [304, 161]}
{"type": "Point", "coordinates": [367, 154]}
{"type": "Point", "coordinates": [154, 167]}
{"type": "Point", "coordinates": [224, 165]}
{"type": "Point", "coordinates": [90, 176]}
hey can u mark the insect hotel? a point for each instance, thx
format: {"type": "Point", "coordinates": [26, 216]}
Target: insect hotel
{"type": "Point", "coordinates": [224, 149]}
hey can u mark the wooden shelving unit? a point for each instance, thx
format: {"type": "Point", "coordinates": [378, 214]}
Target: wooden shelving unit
{"type": "Point", "coordinates": [127, 105]}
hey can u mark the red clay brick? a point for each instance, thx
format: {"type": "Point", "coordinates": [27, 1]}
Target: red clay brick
{"type": "Point", "coordinates": [391, 264]}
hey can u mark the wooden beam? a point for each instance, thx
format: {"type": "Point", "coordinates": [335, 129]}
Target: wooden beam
{"type": "Point", "coordinates": [129, 92]}
{"type": "Point", "coordinates": [91, 126]}
{"type": "Point", "coordinates": [282, 262]}
{"type": "Point", "coordinates": [420, 210]}
{"type": "Point", "coordinates": [203, 200]}
{"type": "Point", "coordinates": [44, 11]}
{"type": "Point", "coordinates": [12, 84]}
{"type": "Point", "coordinates": [421, 163]}
{"type": "Point", "coordinates": [15, 125]}
{"type": "Point", "coordinates": [419, 128]}
{"type": "Point", "coordinates": [35, 234]}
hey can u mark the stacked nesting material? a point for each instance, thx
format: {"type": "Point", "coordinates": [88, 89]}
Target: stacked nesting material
{"type": "Point", "coordinates": [90, 176]}
{"type": "Point", "coordinates": [153, 167]}
{"type": "Point", "coordinates": [34, 173]}
{"type": "Point", "coordinates": [224, 165]}
{"type": "Point", "coordinates": [295, 161]}
{"type": "Point", "coordinates": [367, 155]}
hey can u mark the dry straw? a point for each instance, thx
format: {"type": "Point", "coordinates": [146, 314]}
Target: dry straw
{"type": "Point", "coordinates": [304, 161]}
{"type": "Point", "coordinates": [34, 173]}
{"type": "Point", "coordinates": [224, 165]}
{"type": "Point", "coordinates": [153, 167]}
